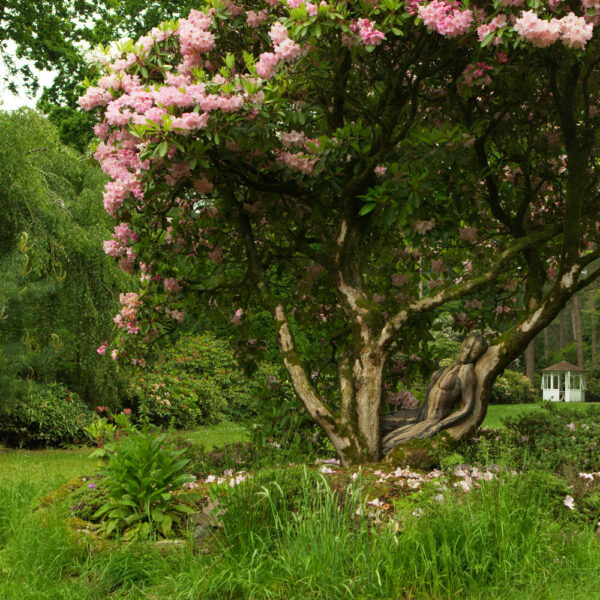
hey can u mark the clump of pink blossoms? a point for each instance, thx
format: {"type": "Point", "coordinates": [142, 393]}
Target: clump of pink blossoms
{"type": "Point", "coordinates": [572, 30]}
{"type": "Point", "coordinates": [445, 17]}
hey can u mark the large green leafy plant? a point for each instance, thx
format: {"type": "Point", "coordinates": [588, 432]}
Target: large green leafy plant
{"type": "Point", "coordinates": [145, 476]}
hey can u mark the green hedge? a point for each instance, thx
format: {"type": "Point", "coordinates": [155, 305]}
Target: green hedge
{"type": "Point", "coordinates": [47, 415]}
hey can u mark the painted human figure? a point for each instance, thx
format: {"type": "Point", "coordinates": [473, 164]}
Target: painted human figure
{"type": "Point", "coordinates": [449, 398]}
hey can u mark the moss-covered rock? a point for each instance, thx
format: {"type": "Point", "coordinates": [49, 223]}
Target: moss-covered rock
{"type": "Point", "coordinates": [421, 454]}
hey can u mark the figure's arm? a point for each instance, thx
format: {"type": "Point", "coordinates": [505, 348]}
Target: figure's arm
{"type": "Point", "coordinates": [398, 418]}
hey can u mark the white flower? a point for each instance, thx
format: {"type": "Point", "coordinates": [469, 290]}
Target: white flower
{"type": "Point", "coordinates": [327, 470]}
{"type": "Point", "coordinates": [464, 485]}
{"type": "Point", "coordinates": [376, 502]}
{"type": "Point", "coordinates": [569, 502]}
{"type": "Point", "coordinates": [417, 512]}
{"type": "Point", "coordinates": [589, 476]}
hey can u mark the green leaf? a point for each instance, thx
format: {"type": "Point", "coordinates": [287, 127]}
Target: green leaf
{"type": "Point", "coordinates": [165, 525]}
{"type": "Point", "coordinates": [184, 509]}
{"type": "Point", "coordinates": [366, 209]}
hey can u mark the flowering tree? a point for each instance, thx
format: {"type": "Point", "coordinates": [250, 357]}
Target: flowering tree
{"type": "Point", "coordinates": [352, 167]}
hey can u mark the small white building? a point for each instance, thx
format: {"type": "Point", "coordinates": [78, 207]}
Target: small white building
{"type": "Point", "coordinates": [563, 382]}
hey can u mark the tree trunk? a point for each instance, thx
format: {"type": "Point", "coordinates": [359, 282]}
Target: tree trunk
{"type": "Point", "coordinates": [529, 356]}
{"type": "Point", "coordinates": [594, 325]}
{"type": "Point", "coordinates": [546, 342]}
{"type": "Point", "coordinates": [577, 329]}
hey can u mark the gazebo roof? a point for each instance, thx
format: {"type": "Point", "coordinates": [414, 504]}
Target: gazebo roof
{"type": "Point", "coordinates": [563, 367]}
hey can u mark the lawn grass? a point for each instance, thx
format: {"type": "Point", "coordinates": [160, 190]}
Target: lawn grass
{"type": "Point", "coordinates": [497, 412]}
{"type": "Point", "coordinates": [218, 435]}
{"type": "Point", "coordinates": [51, 468]}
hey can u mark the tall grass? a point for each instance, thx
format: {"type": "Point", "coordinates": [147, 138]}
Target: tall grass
{"type": "Point", "coordinates": [308, 542]}
{"type": "Point", "coordinates": [286, 534]}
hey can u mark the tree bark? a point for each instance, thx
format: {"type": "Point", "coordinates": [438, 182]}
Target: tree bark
{"type": "Point", "coordinates": [577, 329]}
{"type": "Point", "coordinates": [546, 342]}
{"type": "Point", "coordinates": [529, 356]}
{"type": "Point", "coordinates": [594, 325]}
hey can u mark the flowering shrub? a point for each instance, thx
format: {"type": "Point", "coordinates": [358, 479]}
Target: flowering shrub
{"type": "Point", "coordinates": [195, 382]}
{"type": "Point", "coordinates": [48, 415]}
{"type": "Point", "coordinates": [513, 388]}
{"type": "Point", "coordinates": [270, 157]}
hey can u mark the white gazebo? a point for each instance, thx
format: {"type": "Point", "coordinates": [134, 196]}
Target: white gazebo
{"type": "Point", "coordinates": [563, 382]}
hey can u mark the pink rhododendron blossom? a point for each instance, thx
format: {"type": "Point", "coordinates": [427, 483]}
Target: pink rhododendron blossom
{"type": "Point", "coordinates": [278, 33]}
{"type": "Point", "coordinates": [399, 280]}
{"type": "Point", "coordinates": [423, 226]}
{"type": "Point", "coordinates": [113, 248]}
{"type": "Point", "coordinates": [93, 97]}
{"type": "Point", "coordinates": [202, 185]}
{"type": "Point", "coordinates": [496, 23]}
{"type": "Point", "coordinates": [468, 234]}
{"type": "Point", "coordinates": [539, 32]}
{"type": "Point", "coordinates": [293, 139]}
{"type": "Point", "coordinates": [133, 328]}
{"type": "Point", "coordinates": [255, 19]}
{"type": "Point", "coordinates": [369, 35]}
{"type": "Point", "coordinates": [177, 315]}
{"type": "Point", "coordinates": [193, 34]}
{"type": "Point", "coordinates": [298, 162]}
{"type": "Point", "coordinates": [216, 256]}
{"type": "Point", "coordinates": [445, 18]}
{"type": "Point", "coordinates": [172, 286]}
{"type": "Point", "coordinates": [124, 234]}
{"type": "Point", "coordinates": [574, 31]}
{"type": "Point", "coordinates": [437, 265]}
{"type": "Point", "coordinates": [102, 348]}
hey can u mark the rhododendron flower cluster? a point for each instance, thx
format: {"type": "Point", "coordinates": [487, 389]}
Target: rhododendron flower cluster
{"type": "Point", "coordinates": [573, 31]}
{"type": "Point", "coordinates": [445, 17]}
{"type": "Point", "coordinates": [367, 32]}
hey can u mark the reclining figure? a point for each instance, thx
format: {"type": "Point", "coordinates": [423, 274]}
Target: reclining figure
{"type": "Point", "coordinates": [449, 398]}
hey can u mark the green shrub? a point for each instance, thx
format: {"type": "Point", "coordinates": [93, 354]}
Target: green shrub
{"type": "Point", "coordinates": [195, 382]}
{"type": "Point", "coordinates": [513, 388]}
{"type": "Point", "coordinates": [144, 476]}
{"type": "Point", "coordinates": [283, 426]}
{"type": "Point", "coordinates": [47, 415]}
{"type": "Point", "coordinates": [552, 439]}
